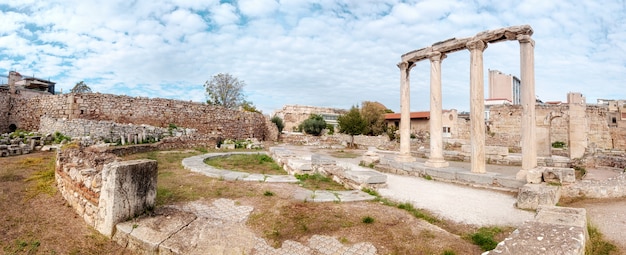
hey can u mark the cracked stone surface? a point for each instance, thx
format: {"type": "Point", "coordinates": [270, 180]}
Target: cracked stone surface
{"type": "Point", "coordinates": [200, 227]}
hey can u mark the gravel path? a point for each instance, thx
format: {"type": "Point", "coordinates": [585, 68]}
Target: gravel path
{"type": "Point", "coordinates": [457, 203]}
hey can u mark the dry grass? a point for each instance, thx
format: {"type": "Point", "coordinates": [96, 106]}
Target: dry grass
{"type": "Point", "coordinates": [277, 217]}
{"type": "Point", "coordinates": [35, 219]}
{"type": "Point", "coordinates": [45, 224]}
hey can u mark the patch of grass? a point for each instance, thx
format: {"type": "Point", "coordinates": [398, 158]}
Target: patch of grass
{"type": "Point", "coordinates": [268, 193]}
{"type": "Point", "coordinates": [448, 252]}
{"type": "Point", "coordinates": [43, 180]}
{"type": "Point", "coordinates": [555, 184]}
{"type": "Point", "coordinates": [250, 163]}
{"type": "Point", "coordinates": [597, 245]}
{"type": "Point", "coordinates": [367, 220]}
{"type": "Point", "coordinates": [318, 181]}
{"type": "Point", "coordinates": [23, 247]}
{"type": "Point", "coordinates": [484, 237]}
{"type": "Point", "coordinates": [343, 154]}
{"type": "Point", "coordinates": [428, 177]}
{"type": "Point", "coordinates": [417, 212]}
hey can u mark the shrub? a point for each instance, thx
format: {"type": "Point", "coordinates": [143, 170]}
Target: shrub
{"type": "Point", "coordinates": [314, 125]}
{"type": "Point", "coordinates": [484, 238]}
{"type": "Point", "coordinates": [558, 144]}
{"type": "Point", "coordinates": [367, 220]}
{"type": "Point", "coordinates": [278, 122]}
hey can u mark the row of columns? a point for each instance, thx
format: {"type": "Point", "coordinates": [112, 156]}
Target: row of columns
{"type": "Point", "coordinates": [477, 107]}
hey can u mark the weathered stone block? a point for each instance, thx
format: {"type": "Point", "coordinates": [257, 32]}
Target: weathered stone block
{"type": "Point", "coordinates": [128, 189]}
{"type": "Point", "coordinates": [559, 175]}
{"type": "Point", "coordinates": [534, 175]}
{"type": "Point", "coordinates": [531, 196]}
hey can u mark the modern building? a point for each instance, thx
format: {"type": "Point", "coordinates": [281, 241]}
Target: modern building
{"type": "Point", "coordinates": [504, 89]}
{"type": "Point", "coordinates": [504, 86]}
{"type": "Point", "coordinates": [420, 121]}
{"type": "Point", "coordinates": [18, 83]}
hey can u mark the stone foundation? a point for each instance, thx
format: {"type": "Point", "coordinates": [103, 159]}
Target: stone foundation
{"type": "Point", "coordinates": [103, 190]}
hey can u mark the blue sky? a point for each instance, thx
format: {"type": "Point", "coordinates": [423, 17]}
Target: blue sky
{"type": "Point", "coordinates": [323, 53]}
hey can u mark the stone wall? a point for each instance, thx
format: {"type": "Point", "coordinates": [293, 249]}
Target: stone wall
{"type": "Point", "coordinates": [293, 115]}
{"type": "Point", "coordinates": [4, 112]}
{"type": "Point", "coordinates": [105, 130]}
{"type": "Point", "coordinates": [103, 190]}
{"type": "Point", "coordinates": [207, 119]}
{"type": "Point", "coordinates": [552, 125]}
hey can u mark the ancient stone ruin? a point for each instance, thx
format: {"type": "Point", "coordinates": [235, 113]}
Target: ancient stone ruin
{"type": "Point", "coordinates": [103, 189]}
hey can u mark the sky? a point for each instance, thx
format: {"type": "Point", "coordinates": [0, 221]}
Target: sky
{"type": "Point", "coordinates": [326, 53]}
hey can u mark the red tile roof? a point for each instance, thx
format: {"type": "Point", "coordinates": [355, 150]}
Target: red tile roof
{"type": "Point", "coordinates": [414, 115]}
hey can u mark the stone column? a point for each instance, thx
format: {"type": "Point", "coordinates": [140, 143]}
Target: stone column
{"type": "Point", "coordinates": [405, 115]}
{"type": "Point", "coordinates": [477, 105]}
{"type": "Point", "coordinates": [527, 89]}
{"type": "Point", "coordinates": [436, 125]}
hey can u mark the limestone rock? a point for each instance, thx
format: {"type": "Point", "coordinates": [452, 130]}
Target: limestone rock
{"type": "Point", "coordinates": [531, 196]}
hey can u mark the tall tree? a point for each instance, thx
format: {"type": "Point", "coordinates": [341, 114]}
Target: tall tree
{"type": "Point", "coordinates": [80, 87]}
{"type": "Point", "coordinates": [374, 115]}
{"type": "Point", "coordinates": [224, 90]}
{"type": "Point", "coordinates": [352, 123]}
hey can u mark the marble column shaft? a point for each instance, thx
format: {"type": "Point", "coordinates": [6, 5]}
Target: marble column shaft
{"type": "Point", "coordinates": [528, 100]}
{"type": "Point", "coordinates": [436, 126]}
{"type": "Point", "coordinates": [405, 113]}
{"type": "Point", "coordinates": [477, 106]}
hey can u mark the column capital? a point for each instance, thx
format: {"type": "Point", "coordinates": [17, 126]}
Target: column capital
{"type": "Point", "coordinates": [526, 39]}
{"type": "Point", "coordinates": [476, 45]}
{"type": "Point", "coordinates": [436, 56]}
{"type": "Point", "coordinates": [405, 65]}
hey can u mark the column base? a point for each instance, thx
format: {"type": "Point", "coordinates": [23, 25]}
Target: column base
{"type": "Point", "coordinates": [437, 163]}
{"type": "Point", "coordinates": [405, 158]}
{"type": "Point", "coordinates": [521, 175]}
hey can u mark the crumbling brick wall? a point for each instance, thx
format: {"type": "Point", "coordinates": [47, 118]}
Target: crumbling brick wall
{"type": "Point", "coordinates": [207, 119]}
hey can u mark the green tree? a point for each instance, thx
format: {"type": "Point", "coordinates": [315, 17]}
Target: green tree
{"type": "Point", "coordinates": [224, 90]}
{"type": "Point", "coordinates": [374, 115]}
{"type": "Point", "coordinates": [313, 125]}
{"type": "Point", "coordinates": [249, 107]}
{"type": "Point", "coordinates": [352, 123]}
{"type": "Point", "coordinates": [80, 87]}
{"type": "Point", "coordinates": [278, 122]}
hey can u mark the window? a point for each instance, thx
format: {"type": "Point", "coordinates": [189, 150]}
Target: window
{"type": "Point", "coordinates": [614, 120]}
{"type": "Point", "coordinates": [446, 132]}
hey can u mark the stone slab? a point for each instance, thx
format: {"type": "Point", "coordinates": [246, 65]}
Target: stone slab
{"type": "Point", "coordinates": [210, 236]}
{"type": "Point", "coordinates": [147, 233]}
{"type": "Point", "coordinates": [365, 177]}
{"type": "Point", "coordinates": [469, 177]}
{"type": "Point", "coordinates": [509, 182]}
{"type": "Point", "coordinates": [442, 173]}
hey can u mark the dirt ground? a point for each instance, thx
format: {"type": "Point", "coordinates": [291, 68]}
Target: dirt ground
{"type": "Point", "coordinates": [34, 222]}
{"type": "Point", "coordinates": [43, 224]}
{"type": "Point", "coordinates": [609, 216]}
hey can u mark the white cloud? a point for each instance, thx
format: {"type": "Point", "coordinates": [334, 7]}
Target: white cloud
{"type": "Point", "coordinates": [224, 14]}
{"type": "Point", "coordinates": [257, 8]}
{"type": "Point", "coordinates": [326, 53]}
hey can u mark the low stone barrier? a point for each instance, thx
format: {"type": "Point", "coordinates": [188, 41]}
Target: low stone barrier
{"type": "Point", "coordinates": [102, 189]}
{"type": "Point", "coordinates": [610, 188]}
{"type": "Point", "coordinates": [555, 230]}
{"type": "Point", "coordinates": [350, 175]}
